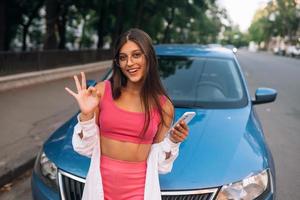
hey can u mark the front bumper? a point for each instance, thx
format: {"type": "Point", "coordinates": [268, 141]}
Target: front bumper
{"type": "Point", "coordinates": [40, 191]}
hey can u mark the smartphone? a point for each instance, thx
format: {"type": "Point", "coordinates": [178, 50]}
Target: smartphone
{"type": "Point", "coordinates": [187, 117]}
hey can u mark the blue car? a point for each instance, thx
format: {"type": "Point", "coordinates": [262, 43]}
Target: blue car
{"type": "Point", "coordinates": [225, 155]}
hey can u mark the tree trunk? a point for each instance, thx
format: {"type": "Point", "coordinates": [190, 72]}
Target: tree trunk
{"type": "Point", "coordinates": [26, 26]}
{"type": "Point", "coordinates": [51, 24]}
{"type": "Point", "coordinates": [101, 29]}
{"type": "Point", "coordinates": [119, 21]}
{"type": "Point", "coordinates": [62, 26]}
{"type": "Point", "coordinates": [167, 37]}
{"type": "Point", "coordinates": [139, 13]}
{"type": "Point", "coordinates": [24, 37]}
{"type": "Point", "coordinates": [2, 26]}
{"type": "Point", "coordinates": [82, 32]}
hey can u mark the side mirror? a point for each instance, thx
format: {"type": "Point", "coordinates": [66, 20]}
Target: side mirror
{"type": "Point", "coordinates": [264, 95]}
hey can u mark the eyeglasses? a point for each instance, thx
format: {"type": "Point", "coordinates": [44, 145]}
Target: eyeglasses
{"type": "Point", "coordinates": [122, 58]}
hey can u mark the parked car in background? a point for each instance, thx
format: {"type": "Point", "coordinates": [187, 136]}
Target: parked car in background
{"type": "Point", "coordinates": [225, 155]}
{"type": "Point", "coordinates": [280, 49]}
{"type": "Point", "coordinates": [293, 51]}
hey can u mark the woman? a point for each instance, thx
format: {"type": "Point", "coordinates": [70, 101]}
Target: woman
{"type": "Point", "coordinates": [123, 125]}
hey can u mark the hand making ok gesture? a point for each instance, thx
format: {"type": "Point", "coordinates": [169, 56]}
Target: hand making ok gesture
{"type": "Point", "coordinates": [87, 98]}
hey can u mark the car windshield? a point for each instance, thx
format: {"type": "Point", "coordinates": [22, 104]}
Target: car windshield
{"type": "Point", "coordinates": [202, 82]}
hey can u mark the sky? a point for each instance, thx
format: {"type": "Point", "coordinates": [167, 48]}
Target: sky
{"type": "Point", "coordinates": [241, 12]}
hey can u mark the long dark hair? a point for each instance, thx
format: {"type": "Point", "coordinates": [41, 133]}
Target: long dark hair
{"type": "Point", "coordinates": [152, 90]}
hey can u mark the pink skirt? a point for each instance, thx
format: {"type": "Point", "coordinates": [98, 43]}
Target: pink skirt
{"type": "Point", "coordinates": [123, 179]}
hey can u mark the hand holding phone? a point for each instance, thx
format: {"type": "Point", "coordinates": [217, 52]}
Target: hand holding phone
{"type": "Point", "coordinates": [186, 117]}
{"type": "Point", "coordinates": [180, 133]}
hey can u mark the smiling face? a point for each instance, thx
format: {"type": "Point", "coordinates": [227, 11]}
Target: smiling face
{"type": "Point", "coordinates": [132, 62]}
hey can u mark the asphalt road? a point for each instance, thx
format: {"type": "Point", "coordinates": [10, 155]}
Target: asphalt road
{"type": "Point", "coordinates": [280, 119]}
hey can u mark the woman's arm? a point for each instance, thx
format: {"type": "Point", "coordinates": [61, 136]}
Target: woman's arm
{"type": "Point", "coordinates": [177, 135]}
{"type": "Point", "coordinates": [168, 114]}
{"type": "Point", "coordinates": [86, 131]}
{"type": "Point", "coordinates": [85, 136]}
{"type": "Point", "coordinates": [168, 144]}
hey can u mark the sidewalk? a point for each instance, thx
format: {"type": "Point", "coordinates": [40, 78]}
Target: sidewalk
{"type": "Point", "coordinates": [30, 78]}
{"type": "Point", "coordinates": [31, 114]}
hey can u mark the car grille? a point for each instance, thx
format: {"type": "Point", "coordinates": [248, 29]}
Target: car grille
{"type": "Point", "coordinates": [71, 188]}
{"type": "Point", "coordinates": [203, 194]}
{"type": "Point", "coordinates": [188, 197]}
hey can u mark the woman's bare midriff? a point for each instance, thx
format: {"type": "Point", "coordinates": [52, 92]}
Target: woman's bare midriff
{"type": "Point", "coordinates": [127, 151]}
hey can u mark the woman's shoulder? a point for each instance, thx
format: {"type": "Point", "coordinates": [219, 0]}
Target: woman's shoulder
{"type": "Point", "coordinates": [165, 100]}
{"type": "Point", "coordinates": [100, 86]}
{"type": "Point", "coordinates": [166, 104]}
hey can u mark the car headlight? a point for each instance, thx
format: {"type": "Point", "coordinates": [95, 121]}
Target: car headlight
{"type": "Point", "coordinates": [249, 188]}
{"type": "Point", "coordinates": [46, 170]}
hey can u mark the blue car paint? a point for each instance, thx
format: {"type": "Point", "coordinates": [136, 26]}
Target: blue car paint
{"type": "Point", "coordinates": [214, 155]}
{"type": "Point", "coordinates": [41, 191]}
{"type": "Point", "coordinates": [224, 145]}
{"type": "Point", "coordinates": [192, 50]}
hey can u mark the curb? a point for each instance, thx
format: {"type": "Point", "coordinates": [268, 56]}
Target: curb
{"type": "Point", "coordinates": [18, 171]}
{"type": "Point", "coordinates": [30, 78]}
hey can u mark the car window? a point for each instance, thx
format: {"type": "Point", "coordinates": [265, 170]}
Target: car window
{"type": "Point", "coordinates": [202, 82]}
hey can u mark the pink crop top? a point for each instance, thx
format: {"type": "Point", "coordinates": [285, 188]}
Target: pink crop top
{"type": "Point", "coordinates": [119, 124]}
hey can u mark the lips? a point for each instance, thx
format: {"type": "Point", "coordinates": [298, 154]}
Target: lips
{"type": "Point", "coordinates": [132, 70]}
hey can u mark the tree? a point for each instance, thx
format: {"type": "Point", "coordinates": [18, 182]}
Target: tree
{"type": "Point", "coordinates": [30, 10]}
{"type": "Point", "coordinates": [288, 18]}
{"type": "Point", "coordinates": [51, 40]}
{"type": "Point", "coordinates": [56, 20]}
{"type": "Point", "coordinates": [278, 18]}
{"type": "Point", "coordinates": [79, 24]}
{"type": "Point", "coordinates": [11, 18]}
{"type": "Point", "coordinates": [17, 18]}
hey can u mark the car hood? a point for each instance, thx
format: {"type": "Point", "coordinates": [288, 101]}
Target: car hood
{"type": "Point", "coordinates": [223, 146]}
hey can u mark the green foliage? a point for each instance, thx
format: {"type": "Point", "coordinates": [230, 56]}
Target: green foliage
{"type": "Point", "coordinates": [232, 35]}
{"type": "Point", "coordinates": [261, 30]}
{"type": "Point", "coordinates": [82, 24]}
{"type": "Point", "coordinates": [278, 18]}
{"type": "Point", "coordinates": [18, 17]}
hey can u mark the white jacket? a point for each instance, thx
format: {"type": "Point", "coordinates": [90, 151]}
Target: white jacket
{"type": "Point", "coordinates": [89, 145]}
